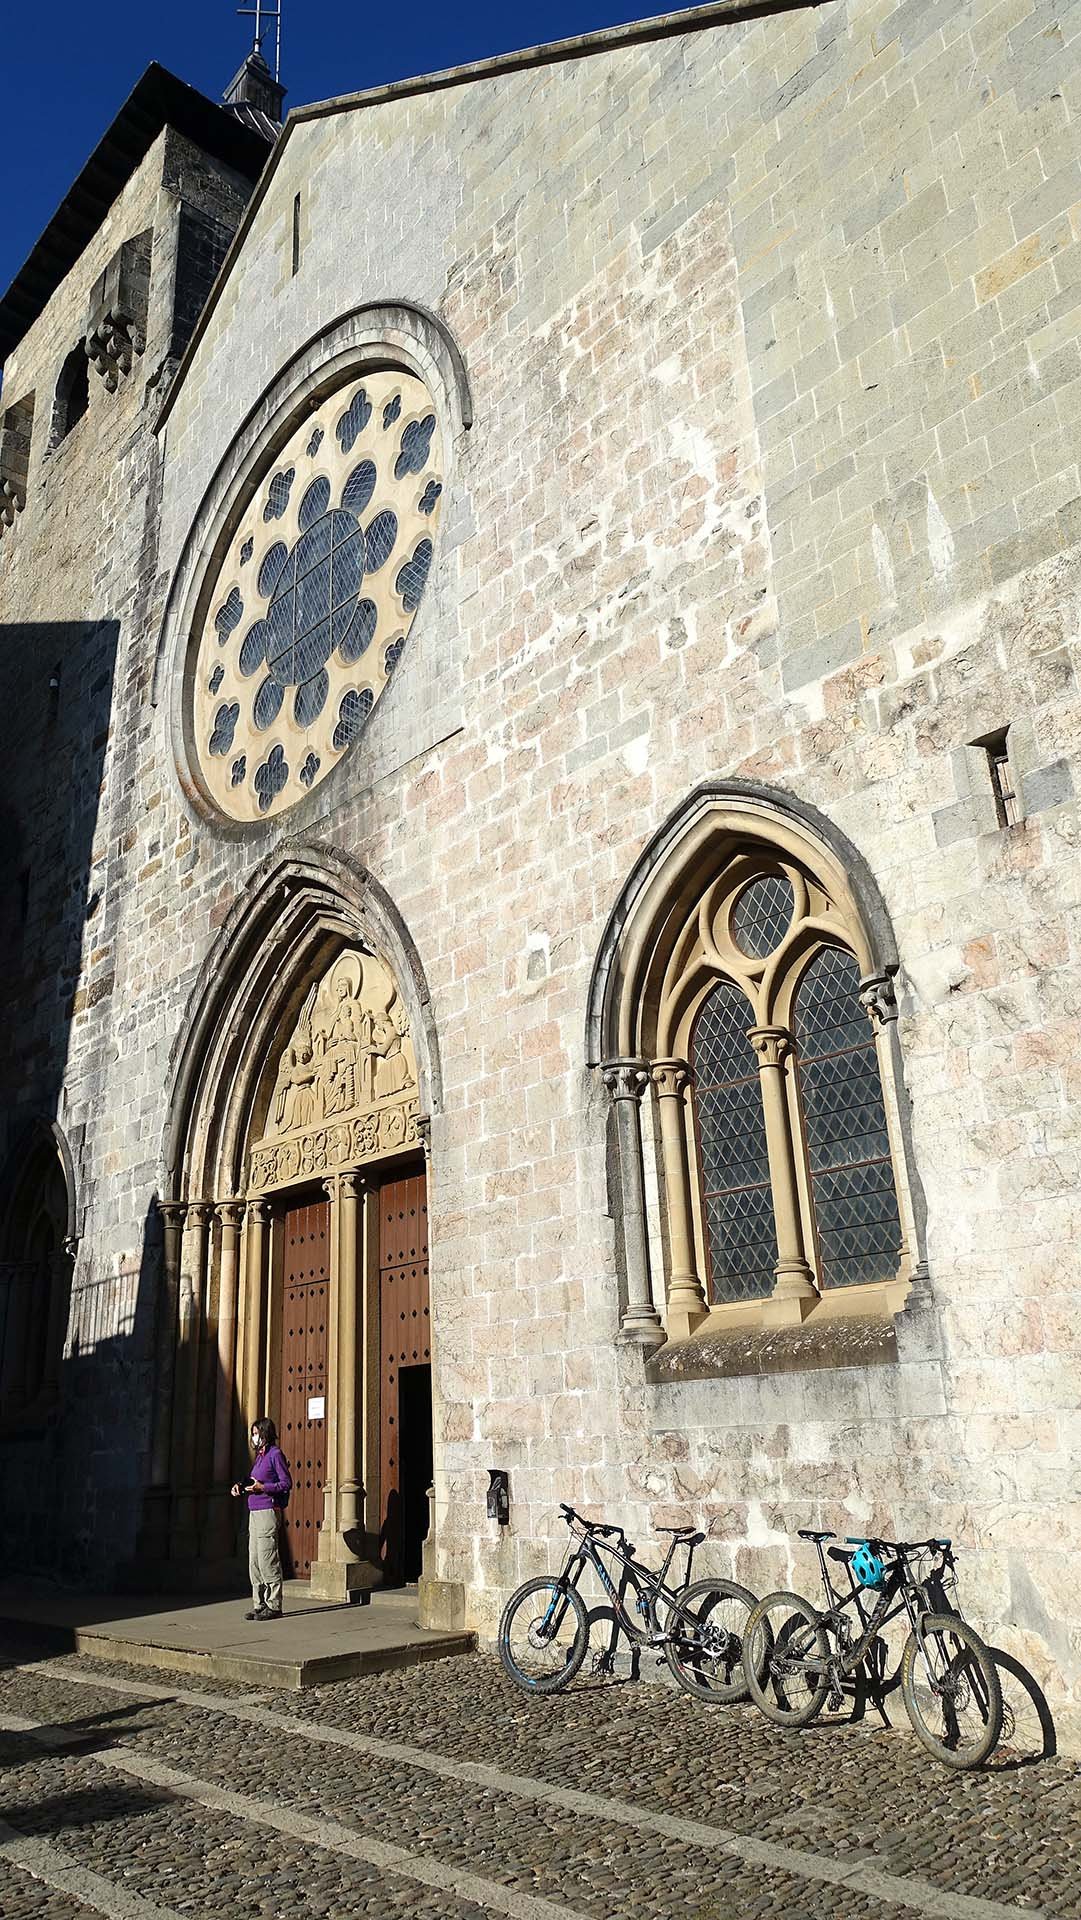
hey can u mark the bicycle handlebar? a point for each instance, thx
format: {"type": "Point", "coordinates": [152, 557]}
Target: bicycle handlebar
{"type": "Point", "coordinates": [589, 1526]}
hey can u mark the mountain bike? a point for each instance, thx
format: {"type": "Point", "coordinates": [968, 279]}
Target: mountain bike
{"type": "Point", "coordinates": [698, 1629]}
{"type": "Point", "coordinates": [796, 1656]}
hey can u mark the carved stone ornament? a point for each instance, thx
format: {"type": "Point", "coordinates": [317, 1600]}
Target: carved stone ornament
{"type": "Point", "coordinates": [878, 997]}
{"type": "Point", "coordinates": [346, 1087]}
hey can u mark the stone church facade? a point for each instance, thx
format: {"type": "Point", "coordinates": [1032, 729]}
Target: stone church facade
{"type": "Point", "coordinates": [543, 908]}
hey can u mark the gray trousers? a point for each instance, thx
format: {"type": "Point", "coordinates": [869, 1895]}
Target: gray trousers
{"type": "Point", "coordinates": [264, 1559]}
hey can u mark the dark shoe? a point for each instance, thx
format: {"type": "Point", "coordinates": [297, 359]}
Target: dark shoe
{"type": "Point", "coordinates": [257, 1613]}
{"type": "Point", "coordinates": [265, 1613]}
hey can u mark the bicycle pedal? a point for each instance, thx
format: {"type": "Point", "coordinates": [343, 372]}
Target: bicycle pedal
{"type": "Point", "coordinates": [836, 1700]}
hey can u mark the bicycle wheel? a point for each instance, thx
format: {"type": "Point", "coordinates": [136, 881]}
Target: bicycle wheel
{"type": "Point", "coordinates": [706, 1650]}
{"type": "Point", "coordinates": [543, 1635]}
{"type": "Point", "coordinates": [784, 1654]}
{"type": "Point", "coordinates": [951, 1691]}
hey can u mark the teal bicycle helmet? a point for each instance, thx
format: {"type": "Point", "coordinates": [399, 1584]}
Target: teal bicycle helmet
{"type": "Point", "coordinates": [867, 1568]}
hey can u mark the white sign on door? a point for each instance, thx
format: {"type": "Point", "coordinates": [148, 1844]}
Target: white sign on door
{"type": "Point", "coordinates": [317, 1408]}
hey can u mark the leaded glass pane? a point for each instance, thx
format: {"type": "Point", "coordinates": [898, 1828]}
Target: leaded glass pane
{"type": "Point", "coordinates": [852, 1187]}
{"type": "Point", "coordinates": [736, 1192]}
{"type": "Point", "coordinates": [762, 915]}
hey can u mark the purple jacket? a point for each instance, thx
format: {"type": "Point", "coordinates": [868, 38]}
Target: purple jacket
{"type": "Point", "coordinates": [272, 1473]}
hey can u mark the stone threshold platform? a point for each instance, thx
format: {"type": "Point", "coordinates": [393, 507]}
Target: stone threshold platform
{"type": "Point", "coordinates": [311, 1645]}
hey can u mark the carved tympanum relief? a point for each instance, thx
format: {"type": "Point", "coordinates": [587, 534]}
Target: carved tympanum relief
{"type": "Point", "coordinates": [346, 1086]}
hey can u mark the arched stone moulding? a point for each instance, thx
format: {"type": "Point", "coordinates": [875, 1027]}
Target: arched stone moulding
{"type": "Point", "coordinates": [35, 1290]}
{"type": "Point", "coordinates": [369, 338]}
{"type": "Point", "coordinates": [308, 916]}
{"type": "Point", "coordinates": [657, 961]}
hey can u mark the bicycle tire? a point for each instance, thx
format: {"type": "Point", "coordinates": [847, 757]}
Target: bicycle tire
{"type": "Point", "coordinates": [561, 1674]}
{"type": "Point", "coordinates": [701, 1679]}
{"type": "Point", "coordinates": [763, 1646]}
{"type": "Point", "coordinates": [973, 1664]}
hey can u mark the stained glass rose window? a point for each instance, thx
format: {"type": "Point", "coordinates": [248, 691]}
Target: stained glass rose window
{"type": "Point", "coordinates": [312, 606]}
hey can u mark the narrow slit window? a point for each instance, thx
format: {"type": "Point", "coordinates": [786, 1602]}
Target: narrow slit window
{"type": "Point", "coordinates": [296, 233]}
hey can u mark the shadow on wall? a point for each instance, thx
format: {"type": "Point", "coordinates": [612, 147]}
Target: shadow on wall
{"type": "Point", "coordinates": [75, 1337]}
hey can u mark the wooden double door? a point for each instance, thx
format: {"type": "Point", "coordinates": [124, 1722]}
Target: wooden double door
{"type": "Point", "coordinates": [398, 1372]}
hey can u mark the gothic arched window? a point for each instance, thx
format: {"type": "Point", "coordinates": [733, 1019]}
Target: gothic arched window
{"type": "Point", "coordinates": [748, 999]}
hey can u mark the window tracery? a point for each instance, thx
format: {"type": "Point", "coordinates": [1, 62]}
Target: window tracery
{"type": "Point", "coordinates": [312, 605]}
{"type": "Point", "coordinates": [757, 1021]}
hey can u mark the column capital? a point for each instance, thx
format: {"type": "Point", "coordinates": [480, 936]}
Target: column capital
{"type": "Point", "coordinates": [259, 1210]}
{"type": "Point", "coordinates": [424, 1133]}
{"type": "Point", "coordinates": [330, 1187]}
{"type": "Point", "coordinates": [878, 999]}
{"type": "Point", "coordinates": [353, 1185]}
{"type": "Point", "coordinates": [230, 1212]}
{"type": "Point", "coordinates": [671, 1078]}
{"type": "Point", "coordinates": [70, 1245]}
{"type": "Point", "coordinates": [625, 1079]}
{"type": "Point", "coordinates": [199, 1212]}
{"type": "Point", "coordinates": [172, 1212]}
{"type": "Point", "coordinates": [772, 1044]}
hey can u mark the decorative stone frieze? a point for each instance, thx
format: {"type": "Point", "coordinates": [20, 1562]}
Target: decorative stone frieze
{"type": "Point", "coordinates": [116, 328]}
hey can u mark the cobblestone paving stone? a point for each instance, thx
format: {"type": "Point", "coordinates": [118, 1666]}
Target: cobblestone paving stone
{"type": "Point", "coordinates": [190, 1859]}
{"type": "Point", "coordinates": [1012, 1834]}
{"type": "Point", "coordinates": [24, 1898]}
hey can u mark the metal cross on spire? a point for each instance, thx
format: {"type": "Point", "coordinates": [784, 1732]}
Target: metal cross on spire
{"type": "Point", "coordinates": [270, 13]}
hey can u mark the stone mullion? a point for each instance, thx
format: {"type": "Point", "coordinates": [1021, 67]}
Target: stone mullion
{"type": "Point", "coordinates": [794, 1292]}
{"type": "Point", "coordinates": [687, 1306]}
{"type": "Point", "coordinates": [61, 1268]}
{"type": "Point", "coordinates": [640, 1323]}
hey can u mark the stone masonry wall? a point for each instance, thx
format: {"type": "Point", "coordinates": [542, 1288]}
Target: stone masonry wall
{"type": "Point", "coordinates": [79, 593]}
{"type": "Point", "coordinates": [772, 336]}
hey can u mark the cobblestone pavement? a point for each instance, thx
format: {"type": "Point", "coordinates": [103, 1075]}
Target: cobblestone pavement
{"type": "Point", "coordinates": [438, 1793]}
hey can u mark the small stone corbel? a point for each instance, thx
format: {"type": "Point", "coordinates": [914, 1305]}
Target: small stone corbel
{"type": "Point", "coordinates": [878, 998]}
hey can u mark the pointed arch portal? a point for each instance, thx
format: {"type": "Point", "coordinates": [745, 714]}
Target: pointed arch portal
{"type": "Point", "coordinates": [294, 1202]}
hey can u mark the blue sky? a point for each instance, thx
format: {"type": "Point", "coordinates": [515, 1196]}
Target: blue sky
{"type": "Point", "coordinates": [68, 68]}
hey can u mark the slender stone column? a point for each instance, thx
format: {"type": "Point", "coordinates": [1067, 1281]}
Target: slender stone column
{"type": "Point", "coordinates": [640, 1323]}
{"type": "Point", "coordinates": [61, 1268]}
{"type": "Point", "coordinates": [165, 1339]}
{"type": "Point", "coordinates": [230, 1213]}
{"type": "Point", "coordinates": [186, 1410]}
{"type": "Point", "coordinates": [794, 1292]}
{"type": "Point", "coordinates": [254, 1328]}
{"type": "Point", "coordinates": [351, 1189]}
{"type": "Point", "coordinates": [686, 1295]}
{"type": "Point", "coordinates": [330, 1481]}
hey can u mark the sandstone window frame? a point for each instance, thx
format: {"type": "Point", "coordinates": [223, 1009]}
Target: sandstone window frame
{"type": "Point", "coordinates": [667, 945]}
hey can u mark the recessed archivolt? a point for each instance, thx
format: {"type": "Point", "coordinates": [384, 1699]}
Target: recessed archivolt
{"type": "Point", "coordinates": [645, 971]}
{"type": "Point", "coordinates": [303, 908]}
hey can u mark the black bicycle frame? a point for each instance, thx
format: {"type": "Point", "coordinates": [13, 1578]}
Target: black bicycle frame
{"type": "Point", "coordinates": [898, 1580]}
{"type": "Point", "coordinates": [588, 1553]}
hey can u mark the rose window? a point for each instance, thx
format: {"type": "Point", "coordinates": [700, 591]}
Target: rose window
{"type": "Point", "coordinates": [312, 607]}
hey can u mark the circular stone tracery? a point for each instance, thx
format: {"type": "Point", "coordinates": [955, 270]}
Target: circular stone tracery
{"type": "Point", "coordinates": [312, 606]}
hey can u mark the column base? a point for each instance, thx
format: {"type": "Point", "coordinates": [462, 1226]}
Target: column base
{"type": "Point", "coordinates": [643, 1331]}
{"type": "Point", "coordinates": [682, 1321]}
{"type": "Point", "coordinates": [788, 1309]}
{"type": "Point", "coordinates": [340, 1580]}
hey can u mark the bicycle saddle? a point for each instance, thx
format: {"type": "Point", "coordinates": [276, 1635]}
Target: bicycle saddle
{"type": "Point", "coordinates": [680, 1533]}
{"type": "Point", "coordinates": [812, 1533]}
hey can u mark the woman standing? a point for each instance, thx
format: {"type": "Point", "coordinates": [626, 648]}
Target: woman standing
{"type": "Point", "coordinates": [267, 1490]}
